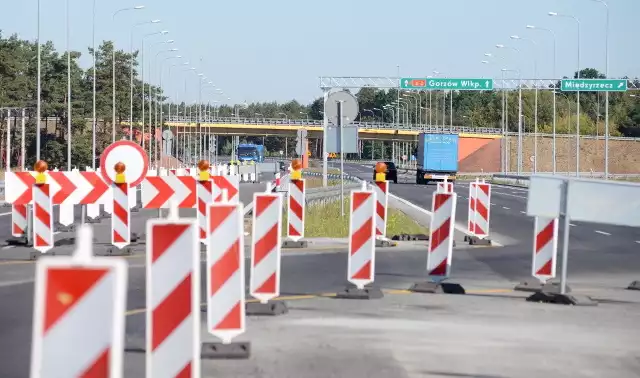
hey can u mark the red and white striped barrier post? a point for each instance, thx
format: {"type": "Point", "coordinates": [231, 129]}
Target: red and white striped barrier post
{"type": "Point", "coordinates": [42, 210]}
{"type": "Point", "coordinates": [443, 186]}
{"type": "Point", "coordinates": [381, 188]}
{"type": "Point", "coordinates": [479, 212]}
{"type": "Point", "coordinates": [18, 220]}
{"type": "Point", "coordinates": [441, 234]}
{"type": "Point", "coordinates": [264, 281]}
{"type": "Point", "coordinates": [205, 197]}
{"type": "Point", "coordinates": [362, 246]}
{"type": "Point", "coordinates": [173, 297]}
{"type": "Point", "coordinates": [79, 311]}
{"type": "Point", "coordinates": [121, 217]}
{"type": "Point", "coordinates": [545, 252]}
{"type": "Point", "coordinates": [225, 279]}
{"type": "Point", "coordinates": [296, 209]}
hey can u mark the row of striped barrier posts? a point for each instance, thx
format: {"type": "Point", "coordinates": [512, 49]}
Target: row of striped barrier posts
{"type": "Point", "coordinates": [479, 213]}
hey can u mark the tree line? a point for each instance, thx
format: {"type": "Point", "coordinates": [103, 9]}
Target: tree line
{"type": "Point", "coordinates": [18, 80]}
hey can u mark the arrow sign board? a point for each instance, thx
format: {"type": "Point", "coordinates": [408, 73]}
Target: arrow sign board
{"type": "Point", "coordinates": [447, 84]}
{"type": "Point", "coordinates": [411, 83]}
{"type": "Point", "coordinates": [593, 85]}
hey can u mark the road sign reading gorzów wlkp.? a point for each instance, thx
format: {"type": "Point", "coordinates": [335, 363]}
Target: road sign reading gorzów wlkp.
{"type": "Point", "coordinates": [594, 85]}
{"type": "Point", "coordinates": [448, 84]}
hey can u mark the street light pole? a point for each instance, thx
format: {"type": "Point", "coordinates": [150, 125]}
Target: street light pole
{"type": "Point", "coordinates": [535, 112]}
{"type": "Point", "coordinates": [39, 90]}
{"type": "Point", "coordinates": [606, 94]}
{"type": "Point", "coordinates": [113, 75]}
{"type": "Point", "coordinates": [68, 92]}
{"type": "Point", "coordinates": [519, 107]}
{"type": "Point", "coordinates": [554, 92]}
{"type": "Point", "coordinates": [131, 76]}
{"type": "Point", "coordinates": [554, 14]}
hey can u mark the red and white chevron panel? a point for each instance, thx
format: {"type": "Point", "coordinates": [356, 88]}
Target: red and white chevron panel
{"type": "Point", "coordinates": [382, 195]}
{"type": "Point", "coordinates": [472, 207]}
{"type": "Point", "coordinates": [362, 235]}
{"type": "Point", "coordinates": [443, 207]}
{"type": "Point", "coordinates": [19, 187]}
{"type": "Point", "coordinates": [173, 297]}
{"type": "Point", "coordinates": [230, 183]}
{"type": "Point", "coordinates": [42, 218]}
{"type": "Point", "coordinates": [545, 248]}
{"type": "Point", "coordinates": [225, 271]}
{"type": "Point", "coordinates": [441, 187]}
{"type": "Point", "coordinates": [158, 192]}
{"type": "Point", "coordinates": [264, 282]}
{"type": "Point", "coordinates": [205, 198]}
{"type": "Point", "coordinates": [65, 187]}
{"type": "Point", "coordinates": [479, 222]}
{"type": "Point", "coordinates": [78, 323]}
{"type": "Point", "coordinates": [297, 206]}
{"type": "Point", "coordinates": [18, 220]}
{"type": "Point", "coordinates": [121, 217]}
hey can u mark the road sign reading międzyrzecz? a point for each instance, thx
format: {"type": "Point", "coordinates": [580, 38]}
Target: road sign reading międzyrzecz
{"type": "Point", "coordinates": [447, 84]}
{"type": "Point", "coordinates": [594, 85]}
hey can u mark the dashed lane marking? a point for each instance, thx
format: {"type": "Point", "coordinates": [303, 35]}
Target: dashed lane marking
{"type": "Point", "coordinates": [523, 212]}
{"type": "Point", "coordinates": [506, 208]}
{"type": "Point", "coordinates": [572, 225]}
{"type": "Point", "coordinates": [602, 233]}
{"type": "Point", "coordinates": [638, 241]}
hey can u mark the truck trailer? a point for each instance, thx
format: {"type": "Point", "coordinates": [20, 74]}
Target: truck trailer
{"type": "Point", "coordinates": [437, 157]}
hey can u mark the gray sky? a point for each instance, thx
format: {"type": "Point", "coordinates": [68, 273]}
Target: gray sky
{"type": "Point", "coordinates": [275, 50]}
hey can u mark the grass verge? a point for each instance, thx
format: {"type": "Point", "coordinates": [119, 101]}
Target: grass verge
{"type": "Point", "coordinates": [316, 182]}
{"type": "Point", "coordinates": [325, 220]}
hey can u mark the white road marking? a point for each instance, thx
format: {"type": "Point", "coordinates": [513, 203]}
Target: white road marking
{"type": "Point", "coordinates": [7, 247]}
{"type": "Point", "coordinates": [523, 212]}
{"type": "Point", "coordinates": [602, 232]}
{"type": "Point", "coordinates": [638, 241]}
{"type": "Point", "coordinates": [506, 208]}
{"type": "Point", "coordinates": [572, 225]}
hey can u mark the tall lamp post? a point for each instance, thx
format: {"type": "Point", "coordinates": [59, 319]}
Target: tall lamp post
{"type": "Point", "coordinates": [519, 106]}
{"type": "Point", "coordinates": [535, 111]}
{"type": "Point", "coordinates": [555, 14]}
{"type": "Point", "coordinates": [131, 74]}
{"type": "Point", "coordinates": [142, 74]}
{"type": "Point", "coordinates": [553, 147]}
{"type": "Point", "coordinates": [606, 94]}
{"type": "Point", "coordinates": [113, 73]}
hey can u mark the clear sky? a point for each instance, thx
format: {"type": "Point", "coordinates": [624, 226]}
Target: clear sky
{"type": "Point", "coordinates": [259, 50]}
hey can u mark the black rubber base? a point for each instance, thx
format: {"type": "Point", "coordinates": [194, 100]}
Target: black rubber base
{"type": "Point", "coordinates": [474, 240]}
{"type": "Point", "coordinates": [220, 351]}
{"type": "Point", "coordinates": [36, 255]}
{"type": "Point", "coordinates": [534, 286]}
{"type": "Point", "coordinates": [353, 292]}
{"type": "Point", "coordinates": [410, 237]}
{"type": "Point", "coordinates": [95, 220]}
{"type": "Point", "coordinates": [635, 285]}
{"type": "Point", "coordinates": [437, 288]}
{"type": "Point", "coordinates": [135, 209]}
{"type": "Point", "coordinates": [563, 299]}
{"type": "Point", "coordinates": [384, 243]}
{"type": "Point", "coordinates": [294, 244]}
{"type": "Point", "coordinates": [115, 251]}
{"type": "Point", "coordinates": [62, 228]}
{"type": "Point", "coordinates": [273, 308]}
{"type": "Point", "coordinates": [20, 241]}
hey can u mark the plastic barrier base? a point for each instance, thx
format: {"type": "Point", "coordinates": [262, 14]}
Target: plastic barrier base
{"type": "Point", "coordinates": [437, 288]}
{"type": "Point", "coordinates": [95, 220]}
{"type": "Point", "coordinates": [635, 285]}
{"type": "Point", "coordinates": [62, 228]}
{"type": "Point", "coordinates": [295, 244]}
{"type": "Point", "coordinates": [534, 286]}
{"type": "Point", "coordinates": [36, 255]}
{"type": "Point", "coordinates": [353, 292]}
{"type": "Point", "coordinates": [273, 308]}
{"type": "Point", "coordinates": [21, 241]}
{"type": "Point", "coordinates": [563, 299]}
{"type": "Point", "coordinates": [412, 237]}
{"type": "Point", "coordinates": [474, 240]}
{"type": "Point", "coordinates": [219, 351]}
{"type": "Point", "coordinates": [114, 251]}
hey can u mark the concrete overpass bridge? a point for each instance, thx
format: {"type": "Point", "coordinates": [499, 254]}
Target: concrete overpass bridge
{"type": "Point", "coordinates": [288, 128]}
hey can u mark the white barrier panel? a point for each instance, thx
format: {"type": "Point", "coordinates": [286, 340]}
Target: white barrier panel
{"type": "Point", "coordinates": [545, 248]}
{"type": "Point", "coordinates": [79, 310]}
{"type": "Point", "coordinates": [18, 220]}
{"type": "Point", "coordinates": [362, 235]}
{"type": "Point", "coordinates": [121, 218]}
{"type": "Point", "coordinates": [42, 218]}
{"type": "Point", "coordinates": [265, 247]}
{"type": "Point", "coordinates": [382, 195]}
{"type": "Point", "coordinates": [296, 212]}
{"type": "Point", "coordinates": [173, 297]}
{"type": "Point", "coordinates": [441, 231]}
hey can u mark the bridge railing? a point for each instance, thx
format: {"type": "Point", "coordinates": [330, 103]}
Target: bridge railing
{"type": "Point", "coordinates": [317, 123]}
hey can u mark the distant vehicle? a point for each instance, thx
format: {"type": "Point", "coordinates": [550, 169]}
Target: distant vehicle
{"type": "Point", "coordinates": [437, 157]}
{"type": "Point", "coordinates": [251, 152]}
{"type": "Point", "coordinates": [282, 166]}
{"type": "Point", "coordinates": [391, 172]}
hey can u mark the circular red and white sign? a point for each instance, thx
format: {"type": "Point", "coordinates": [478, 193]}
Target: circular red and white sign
{"type": "Point", "coordinates": [133, 157]}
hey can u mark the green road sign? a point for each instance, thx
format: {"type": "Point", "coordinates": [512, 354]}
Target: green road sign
{"type": "Point", "coordinates": [411, 83]}
{"type": "Point", "coordinates": [593, 85]}
{"type": "Point", "coordinates": [447, 84]}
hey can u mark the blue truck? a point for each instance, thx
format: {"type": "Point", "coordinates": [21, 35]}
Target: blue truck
{"type": "Point", "coordinates": [437, 157]}
{"type": "Point", "coordinates": [251, 152]}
